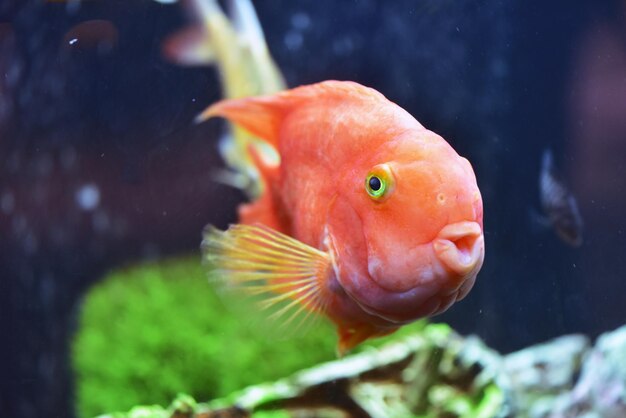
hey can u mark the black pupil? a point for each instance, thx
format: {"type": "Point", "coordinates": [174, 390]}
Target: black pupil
{"type": "Point", "coordinates": [375, 183]}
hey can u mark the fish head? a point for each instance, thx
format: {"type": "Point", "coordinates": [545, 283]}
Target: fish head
{"type": "Point", "coordinates": [419, 212]}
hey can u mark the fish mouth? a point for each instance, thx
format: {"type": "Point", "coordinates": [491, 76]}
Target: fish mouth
{"type": "Point", "coordinates": [460, 248]}
{"type": "Point", "coordinates": [443, 272]}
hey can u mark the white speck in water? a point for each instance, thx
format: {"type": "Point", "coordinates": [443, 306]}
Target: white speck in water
{"type": "Point", "coordinates": [73, 41]}
{"type": "Point", "coordinates": [300, 21]}
{"type": "Point", "coordinates": [293, 40]}
{"type": "Point", "coordinates": [164, 213]}
{"type": "Point", "coordinates": [88, 197]}
{"type": "Point", "coordinates": [7, 203]}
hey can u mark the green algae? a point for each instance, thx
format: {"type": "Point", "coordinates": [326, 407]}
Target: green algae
{"type": "Point", "coordinates": [149, 332]}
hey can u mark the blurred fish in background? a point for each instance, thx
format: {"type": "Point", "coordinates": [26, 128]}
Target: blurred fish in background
{"type": "Point", "coordinates": [235, 44]}
{"type": "Point", "coordinates": [559, 204]}
{"type": "Point", "coordinates": [98, 34]}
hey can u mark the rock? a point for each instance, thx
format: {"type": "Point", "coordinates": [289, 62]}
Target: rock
{"type": "Point", "coordinates": [541, 372]}
{"type": "Point", "coordinates": [601, 389]}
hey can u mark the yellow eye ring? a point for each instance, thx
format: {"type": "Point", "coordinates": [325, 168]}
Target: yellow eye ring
{"type": "Point", "coordinates": [379, 182]}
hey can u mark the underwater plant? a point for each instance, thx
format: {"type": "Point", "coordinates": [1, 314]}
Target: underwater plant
{"type": "Point", "coordinates": [148, 332]}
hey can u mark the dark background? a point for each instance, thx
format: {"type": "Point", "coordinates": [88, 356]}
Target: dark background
{"type": "Point", "coordinates": [501, 80]}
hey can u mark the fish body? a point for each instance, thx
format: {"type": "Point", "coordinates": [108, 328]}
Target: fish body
{"type": "Point", "coordinates": [368, 218]}
{"type": "Point", "coordinates": [559, 204]}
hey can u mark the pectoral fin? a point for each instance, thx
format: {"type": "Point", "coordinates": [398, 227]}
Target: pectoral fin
{"type": "Point", "coordinates": [284, 274]}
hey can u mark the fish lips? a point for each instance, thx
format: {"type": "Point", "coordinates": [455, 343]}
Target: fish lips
{"type": "Point", "coordinates": [457, 256]}
{"type": "Point", "coordinates": [460, 248]}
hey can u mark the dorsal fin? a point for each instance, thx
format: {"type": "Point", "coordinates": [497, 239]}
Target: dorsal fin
{"type": "Point", "coordinates": [262, 116]}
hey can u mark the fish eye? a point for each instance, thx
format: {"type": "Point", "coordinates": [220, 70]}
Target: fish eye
{"type": "Point", "coordinates": [375, 184]}
{"type": "Point", "coordinates": [379, 182]}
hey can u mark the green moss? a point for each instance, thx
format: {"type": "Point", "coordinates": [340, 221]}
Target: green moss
{"type": "Point", "coordinates": [271, 414]}
{"type": "Point", "coordinates": [149, 332]}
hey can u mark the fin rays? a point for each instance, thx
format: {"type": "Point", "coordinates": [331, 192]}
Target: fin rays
{"type": "Point", "coordinates": [281, 273]}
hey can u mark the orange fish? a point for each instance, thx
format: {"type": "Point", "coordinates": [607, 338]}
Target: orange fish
{"type": "Point", "coordinates": [368, 218]}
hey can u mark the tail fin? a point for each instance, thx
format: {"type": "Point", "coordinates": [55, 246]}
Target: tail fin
{"type": "Point", "coordinates": [237, 48]}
